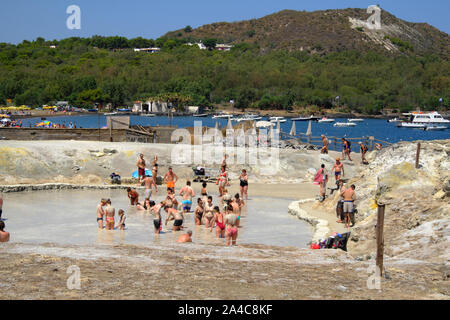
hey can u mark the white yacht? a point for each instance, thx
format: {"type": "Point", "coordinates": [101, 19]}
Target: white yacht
{"type": "Point", "coordinates": [277, 119]}
{"type": "Point", "coordinates": [344, 124]}
{"type": "Point", "coordinates": [247, 117]}
{"type": "Point", "coordinates": [222, 116]}
{"type": "Point", "coordinates": [355, 120]}
{"type": "Point", "coordinates": [419, 120]}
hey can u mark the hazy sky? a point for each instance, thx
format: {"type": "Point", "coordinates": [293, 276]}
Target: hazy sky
{"type": "Point", "coordinates": [29, 19]}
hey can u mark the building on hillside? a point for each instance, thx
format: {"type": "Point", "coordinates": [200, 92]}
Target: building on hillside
{"type": "Point", "coordinates": [223, 47]}
{"type": "Point", "coordinates": [148, 50]}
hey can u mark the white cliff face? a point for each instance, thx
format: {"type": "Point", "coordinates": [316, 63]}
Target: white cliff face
{"type": "Point", "coordinates": [417, 201]}
{"type": "Point", "coordinates": [86, 162]}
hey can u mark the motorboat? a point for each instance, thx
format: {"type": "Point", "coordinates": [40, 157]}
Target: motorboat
{"type": "Point", "coordinates": [355, 120]}
{"type": "Point", "coordinates": [394, 120]}
{"type": "Point", "coordinates": [110, 114]}
{"type": "Point", "coordinates": [277, 119]}
{"type": "Point", "coordinates": [148, 115]}
{"type": "Point", "coordinates": [312, 117]}
{"type": "Point", "coordinates": [344, 124]}
{"type": "Point", "coordinates": [427, 118]}
{"type": "Point", "coordinates": [404, 124]}
{"type": "Point", "coordinates": [222, 116]}
{"type": "Point", "coordinates": [326, 120]}
{"type": "Point", "coordinates": [201, 115]}
{"type": "Point", "coordinates": [435, 127]}
{"type": "Point", "coordinates": [247, 117]}
{"type": "Point", "coordinates": [264, 124]}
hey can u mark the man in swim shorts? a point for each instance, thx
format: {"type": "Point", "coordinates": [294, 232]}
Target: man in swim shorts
{"type": "Point", "coordinates": [338, 169]}
{"type": "Point", "coordinates": [177, 216]}
{"type": "Point", "coordinates": [141, 167]}
{"type": "Point", "coordinates": [156, 210]}
{"type": "Point", "coordinates": [100, 213]}
{"type": "Point", "coordinates": [170, 179]}
{"type": "Point", "coordinates": [4, 235]}
{"type": "Point", "coordinates": [349, 197]}
{"type": "Point", "coordinates": [133, 196]}
{"type": "Point", "coordinates": [187, 193]}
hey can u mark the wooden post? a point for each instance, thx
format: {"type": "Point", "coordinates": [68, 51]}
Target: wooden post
{"type": "Point", "coordinates": [335, 144]}
{"type": "Point", "coordinates": [417, 155]}
{"type": "Point", "coordinates": [380, 237]}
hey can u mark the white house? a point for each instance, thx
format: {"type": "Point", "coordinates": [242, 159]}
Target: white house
{"type": "Point", "coordinates": [148, 50]}
{"type": "Point", "coordinates": [150, 106]}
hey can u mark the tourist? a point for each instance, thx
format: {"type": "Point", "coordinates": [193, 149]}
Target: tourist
{"type": "Point", "coordinates": [141, 167]}
{"type": "Point", "coordinates": [231, 230]}
{"type": "Point", "coordinates": [199, 211]}
{"type": "Point", "coordinates": [321, 178]}
{"type": "Point", "coordinates": [148, 183]}
{"type": "Point", "coordinates": [340, 203]}
{"type": "Point", "coordinates": [220, 225]}
{"type": "Point", "coordinates": [170, 179]}
{"type": "Point", "coordinates": [146, 206]}
{"type": "Point", "coordinates": [100, 213]}
{"type": "Point", "coordinates": [222, 180]}
{"type": "Point", "coordinates": [133, 196]}
{"type": "Point", "coordinates": [171, 200]}
{"type": "Point", "coordinates": [349, 197]}
{"type": "Point", "coordinates": [338, 169]}
{"type": "Point", "coordinates": [177, 216]}
{"type": "Point", "coordinates": [346, 149]}
{"type": "Point", "coordinates": [4, 235]}
{"type": "Point", "coordinates": [110, 212]}
{"type": "Point", "coordinates": [209, 214]}
{"type": "Point", "coordinates": [156, 209]}
{"type": "Point", "coordinates": [204, 192]}
{"type": "Point", "coordinates": [224, 161]}
{"type": "Point", "coordinates": [121, 224]}
{"type": "Point", "coordinates": [187, 193]}
{"type": "Point", "coordinates": [187, 237]}
{"type": "Point", "coordinates": [155, 172]}
{"type": "Point", "coordinates": [239, 201]}
{"type": "Point", "coordinates": [243, 183]}
{"type": "Point", "coordinates": [236, 209]}
{"type": "Point", "coordinates": [325, 144]}
{"type": "Point", "coordinates": [364, 148]}
{"type": "Point", "coordinates": [115, 178]}
{"type": "Point", "coordinates": [1, 206]}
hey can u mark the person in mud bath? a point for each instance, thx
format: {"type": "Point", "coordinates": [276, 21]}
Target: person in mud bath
{"type": "Point", "coordinates": [187, 193]}
{"type": "Point", "coordinates": [243, 184]}
{"type": "Point", "coordinates": [4, 235]}
{"type": "Point", "coordinates": [121, 224]}
{"type": "Point", "coordinates": [187, 237]}
{"type": "Point", "coordinates": [177, 216]}
{"type": "Point", "coordinates": [231, 230]}
{"type": "Point", "coordinates": [199, 211]}
{"type": "Point", "coordinates": [220, 225]}
{"type": "Point", "coordinates": [100, 213]}
{"type": "Point", "coordinates": [155, 172]}
{"type": "Point", "coordinates": [170, 179]}
{"type": "Point", "coordinates": [208, 216]}
{"type": "Point", "coordinates": [141, 167]}
{"type": "Point", "coordinates": [148, 183]}
{"type": "Point", "coordinates": [133, 196]}
{"type": "Point", "coordinates": [110, 212]}
{"type": "Point", "coordinates": [156, 210]}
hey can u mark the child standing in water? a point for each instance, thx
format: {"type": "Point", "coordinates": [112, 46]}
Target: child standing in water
{"type": "Point", "coordinates": [121, 224]}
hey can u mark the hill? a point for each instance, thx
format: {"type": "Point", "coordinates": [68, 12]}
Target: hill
{"type": "Point", "coordinates": [326, 31]}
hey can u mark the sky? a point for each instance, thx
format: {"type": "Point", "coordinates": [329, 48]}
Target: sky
{"type": "Point", "coordinates": [28, 19]}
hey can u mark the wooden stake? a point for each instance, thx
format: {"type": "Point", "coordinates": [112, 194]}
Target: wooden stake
{"type": "Point", "coordinates": [380, 237]}
{"type": "Point", "coordinates": [417, 155]}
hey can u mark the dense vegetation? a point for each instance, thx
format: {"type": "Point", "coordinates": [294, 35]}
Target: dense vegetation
{"type": "Point", "coordinates": [107, 70]}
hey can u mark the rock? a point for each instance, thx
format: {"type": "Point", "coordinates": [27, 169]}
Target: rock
{"type": "Point", "coordinates": [440, 195]}
{"type": "Point", "coordinates": [341, 288]}
{"type": "Point", "coordinates": [110, 151]}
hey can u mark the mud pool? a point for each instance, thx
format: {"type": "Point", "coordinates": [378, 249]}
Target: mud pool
{"type": "Point", "coordinates": [69, 217]}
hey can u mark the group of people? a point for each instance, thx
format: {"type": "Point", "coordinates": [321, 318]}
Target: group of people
{"type": "Point", "coordinates": [345, 207]}
{"type": "Point", "coordinates": [346, 148]}
{"type": "Point", "coordinates": [224, 216]}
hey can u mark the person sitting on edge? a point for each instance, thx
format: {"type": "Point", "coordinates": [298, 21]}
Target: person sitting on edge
{"type": "Point", "coordinates": [4, 235]}
{"type": "Point", "coordinates": [325, 144]}
{"type": "Point", "coordinates": [364, 150]}
{"type": "Point", "coordinates": [187, 237]}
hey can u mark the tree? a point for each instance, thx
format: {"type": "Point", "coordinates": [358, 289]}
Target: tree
{"type": "Point", "coordinates": [188, 29]}
{"type": "Point", "coordinates": [210, 44]}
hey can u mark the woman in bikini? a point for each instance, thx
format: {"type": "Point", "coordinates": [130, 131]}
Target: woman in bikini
{"type": "Point", "coordinates": [231, 230]}
{"type": "Point", "coordinates": [220, 225]}
{"type": "Point", "coordinates": [199, 211]}
{"type": "Point", "coordinates": [209, 214]}
{"type": "Point", "coordinates": [243, 182]}
{"type": "Point", "coordinates": [222, 181]}
{"type": "Point", "coordinates": [155, 172]}
{"type": "Point", "coordinates": [109, 213]}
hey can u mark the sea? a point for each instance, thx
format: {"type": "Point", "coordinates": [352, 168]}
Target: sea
{"type": "Point", "coordinates": [378, 128]}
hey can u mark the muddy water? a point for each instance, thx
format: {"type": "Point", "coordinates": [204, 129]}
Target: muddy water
{"type": "Point", "coordinates": [69, 217]}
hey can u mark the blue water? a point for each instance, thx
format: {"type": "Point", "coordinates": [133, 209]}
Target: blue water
{"type": "Point", "coordinates": [380, 129]}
